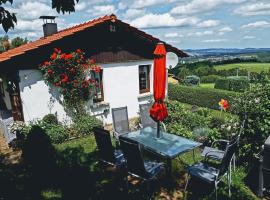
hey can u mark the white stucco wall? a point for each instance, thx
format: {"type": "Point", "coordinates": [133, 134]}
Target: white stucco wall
{"type": "Point", "coordinates": [35, 95]}
{"type": "Point", "coordinates": [120, 84]}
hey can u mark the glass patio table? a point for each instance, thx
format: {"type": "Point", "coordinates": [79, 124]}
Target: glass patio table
{"type": "Point", "coordinates": [167, 146]}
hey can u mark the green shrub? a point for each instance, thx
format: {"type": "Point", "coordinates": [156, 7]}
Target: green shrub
{"type": "Point", "coordinates": [57, 133]}
{"type": "Point", "coordinates": [83, 125]}
{"type": "Point", "coordinates": [50, 119]}
{"type": "Point", "coordinates": [179, 129]}
{"type": "Point", "coordinates": [222, 83]}
{"type": "Point", "coordinates": [209, 78]}
{"type": "Point", "coordinates": [181, 121]}
{"type": "Point", "coordinates": [203, 97]}
{"type": "Point", "coordinates": [233, 83]}
{"type": "Point", "coordinates": [255, 105]}
{"type": "Point", "coordinates": [239, 84]}
{"type": "Point", "coordinates": [192, 80]}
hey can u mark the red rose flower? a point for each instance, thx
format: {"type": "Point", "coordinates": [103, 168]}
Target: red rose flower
{"type": "Point", "coordinates": [46, 63]}
{"type": "Point", "coordinates": [57, 50]}
{"type": "Point", "coordinates": [68, 56]}
{"type": "Point", "coordinates": [78, 51]}
{"type": "Point", "coordinates": [53, 56]}
{"type": "Point", "coordinates": [92, 61]}
{"type": "Point", "coordinates": [57, 84]}
{"type": "Point", "coordinates": [97, 69]}
{"type": "Point", "coordinates": [50, 71]}
{"type": "Point", "coordinates": [63, 56]}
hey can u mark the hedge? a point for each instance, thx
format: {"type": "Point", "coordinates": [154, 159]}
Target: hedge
{"type": "Point", "coordinates": [233, 83]}
{"type": "Point", "coordinates": [203, 97]}
{"type": "Point", "coordinates": [222, 83]}
{"type": "Point", "coordinates": [209, 78]}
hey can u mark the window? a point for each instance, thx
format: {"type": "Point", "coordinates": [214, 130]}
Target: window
{"type": "Point", "coordinates": [144, 78]}
{"type": "Point", "coordinates": [98, 89]}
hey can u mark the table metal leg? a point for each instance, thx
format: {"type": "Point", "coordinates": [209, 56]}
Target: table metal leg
{"type": "Point", "coordinates": [169, 167]}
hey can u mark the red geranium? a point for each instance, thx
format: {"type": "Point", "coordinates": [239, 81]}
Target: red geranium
{"type": "Point", "coordinates": [69, 74]}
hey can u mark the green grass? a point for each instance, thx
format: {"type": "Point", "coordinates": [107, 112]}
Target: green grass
{"type": "Point", "coordinates": [207, 85]}
{"type": "Point", "coordinates": [239, 189]}
{"type": "Point", "coordinates": [251, 67]}
{"type": "Point", "coordinates": [87, 143]}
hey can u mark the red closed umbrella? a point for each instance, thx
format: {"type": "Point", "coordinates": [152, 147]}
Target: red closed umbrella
{"type": "Point", "coordinates": [159, 111]}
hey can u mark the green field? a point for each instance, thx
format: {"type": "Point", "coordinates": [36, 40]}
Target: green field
{"type": "Point", "coordinates": [252, 67]}
{"type": "Point", "coordinates": [207, 85]}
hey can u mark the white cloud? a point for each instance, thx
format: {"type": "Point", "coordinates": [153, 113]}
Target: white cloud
{"type": "Point", "coordinates": [249, 37]}
{"type": "Point", "coordinates": [173, 35]}
{"type": "Point", "coordinates": [34, 25]}
{"type": "Point", "coordinates": [255, 8]}
{"type": "Point", "coordinates": [133, 13]}
{"type": "Point", "coordinates": [162, 20]}
{"type": "Point", "coordinates": [200, 6]}
{"type": "Point", "coordinates": [123, 4]}
{"type": "Point", "coordinates": [101, 10]}
{"type": "Point", "coordinates": [257, 24]}
{"type": "Point", "coordinates": [215, 40]}
{"type": "Point", "coordinates": [224, 30]}
{"type": "Point", "coordinates": [33, 10]}
{"type": "Point", "coordinates": [80, 6]}
{"type": "Point", "coordinates": [199, 34]}
{"type": "Point", "coordinates": [208, 23]}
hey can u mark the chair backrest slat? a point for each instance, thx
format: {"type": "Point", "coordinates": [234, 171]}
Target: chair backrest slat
{"type": "Point", "coordinates": [133, 156]}
{"type": "Point", "coordinates": [230, 150]}
{"type": "Point", "coordinates": [120, 120]}
{"type": "Point", "coordinates": [146, 120]}
{"type": "Point", "coordinates": [104, 144]}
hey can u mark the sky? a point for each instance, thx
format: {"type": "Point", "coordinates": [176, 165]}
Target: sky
{"type": "Point", "coordinates": [186, 24]}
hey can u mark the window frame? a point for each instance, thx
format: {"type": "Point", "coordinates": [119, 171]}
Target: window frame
{"type": "Point", "coordinates": [142, 91]}
{"type": "Point", "coordinates": [97, 100]}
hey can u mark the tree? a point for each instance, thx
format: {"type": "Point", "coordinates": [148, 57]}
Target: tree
{"type": "Point", "coordinates": [4, 43]}
{"type": "Point", "coordinates": [8, 20]}
{"type": "Point", "coordinates": [18, 41]}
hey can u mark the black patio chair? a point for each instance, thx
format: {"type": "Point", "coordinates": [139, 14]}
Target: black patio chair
{"type": "Point", "coordinates": [213, 175]}
{"type": "Point", "coordinates": [145, 118]}
{"type": "Point", "coordinates": [107, 154]}
{"type": "Point", "coordinates": [145, 170]}
{"type": "Point", "coordinates": [218, 154]}
{"type": "Point", "coordinates": [120, 121]}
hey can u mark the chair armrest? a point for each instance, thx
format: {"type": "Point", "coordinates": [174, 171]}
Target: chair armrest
{"type": "Point", "coordinates": [164, 127]}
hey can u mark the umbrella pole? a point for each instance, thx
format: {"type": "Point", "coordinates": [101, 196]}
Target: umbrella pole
{"type": "Point", "coordinates": [158, 129]}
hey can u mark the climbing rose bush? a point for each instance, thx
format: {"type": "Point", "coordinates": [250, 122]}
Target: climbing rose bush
{"type": "Point", "coordinates": [67, 72]}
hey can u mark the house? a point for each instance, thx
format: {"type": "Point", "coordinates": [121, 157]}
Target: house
{"type": "Point", "coordinates": [124, 53]}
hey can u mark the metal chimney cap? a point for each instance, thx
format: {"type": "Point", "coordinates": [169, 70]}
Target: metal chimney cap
{"type": "Point", "coordinates": [47, 17]}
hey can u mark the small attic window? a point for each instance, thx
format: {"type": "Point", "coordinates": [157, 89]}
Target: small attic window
{"type": "Point", "coordinates": [112, 28]}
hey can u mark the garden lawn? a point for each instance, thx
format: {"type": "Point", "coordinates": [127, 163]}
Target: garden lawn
{"type": "Point", "coordinates": [251, 67]}
{"type": "Point", "coordinates": [239, 190]}
{"type": "Point", "coordinates": [207, 85]}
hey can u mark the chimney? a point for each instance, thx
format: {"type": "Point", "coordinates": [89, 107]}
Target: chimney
{"type": "Point", "coordinates": [49, 26]}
